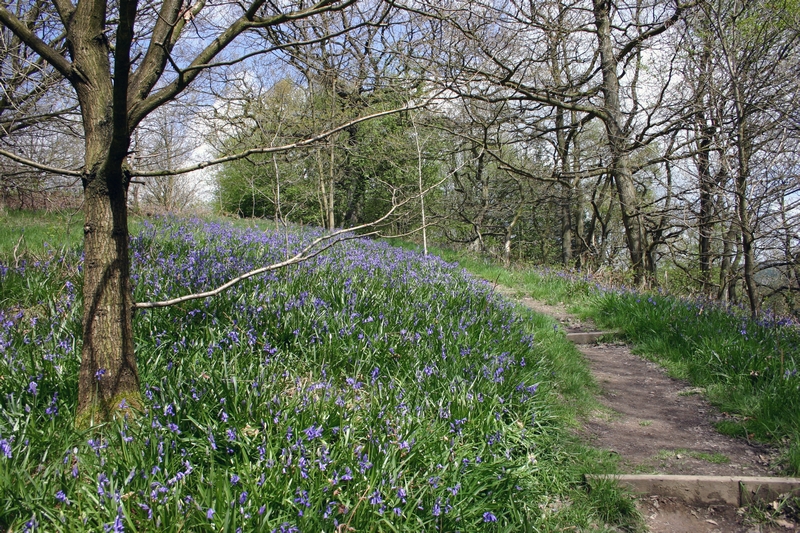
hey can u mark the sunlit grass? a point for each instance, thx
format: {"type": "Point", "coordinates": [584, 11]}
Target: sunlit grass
{"type": "Point", "coordinates": [369, 388]}
{"type": "Point", "coordinates": [31, 235]}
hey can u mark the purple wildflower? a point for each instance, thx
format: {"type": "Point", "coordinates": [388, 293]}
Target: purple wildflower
{"type": "Point", "coordinates": [5, 447]}
{"type": "Point", "coordinates": [313, 432]}
{"type": "Point", "coordinates": [147, 508]}
{"type": "Point", "coordinates": [437, 509]}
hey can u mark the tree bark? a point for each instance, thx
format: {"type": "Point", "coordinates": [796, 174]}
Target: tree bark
{"type": "Point", "coordinates": [705, 134]}
{"type": "Point", "coordinates": [617, 141]}
{"type": "Point", "coordinates": [108, 379]}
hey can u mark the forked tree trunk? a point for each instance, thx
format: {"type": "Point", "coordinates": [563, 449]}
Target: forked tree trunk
{"type": "Point", "coordinates": [108, 380]}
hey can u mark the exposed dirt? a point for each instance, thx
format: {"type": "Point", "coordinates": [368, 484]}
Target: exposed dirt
{"type": "Point", "coordinates": [661, 425]}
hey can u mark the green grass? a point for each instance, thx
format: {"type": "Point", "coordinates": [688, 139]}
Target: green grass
{"type": "Point", "coordinates": [715, 458]}
{"type": "Point", "coordinates": [29, 235]}
{"type": "Point", "coordinates": [369, 389]}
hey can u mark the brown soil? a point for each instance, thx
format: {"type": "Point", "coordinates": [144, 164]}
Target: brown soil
{"type": "Point", "coordinates": [661, 425]}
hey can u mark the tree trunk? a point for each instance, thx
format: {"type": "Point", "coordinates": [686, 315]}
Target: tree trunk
{"type": "Point", "coordinates": [705, 133]}
{"type": "Point", "coordinates": [614, 124]}
{"type": "Point", "coordinates": [564, 183]}
{"type": "Point", "coordinates": [509, 235]}
{"type": "Point", "coordinates": [109, 379]}
{"type": "Point", "coordinates": [706, 207]}
{"type": "Point", "coordinates": [744, 151]}
{"type": "Point", "coordinates": [747, 241]}
{"type": "Point", "coordinates": [727, 265]}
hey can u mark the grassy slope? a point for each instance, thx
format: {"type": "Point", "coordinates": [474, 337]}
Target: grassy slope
{"type": "Point", "coordinates": [370, 387]}
{"type": "Point", "coordinates": [749, 368]}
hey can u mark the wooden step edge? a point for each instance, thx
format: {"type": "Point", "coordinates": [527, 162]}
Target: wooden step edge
{"type": "Point", "coordinates": [705, 490]}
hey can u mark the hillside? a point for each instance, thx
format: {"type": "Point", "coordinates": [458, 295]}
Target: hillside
{"type": "Point", "coordinates": [369, 388]}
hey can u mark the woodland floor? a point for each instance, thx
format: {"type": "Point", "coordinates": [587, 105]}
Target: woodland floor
{"type": "Point", "coordinates": [661, 425]}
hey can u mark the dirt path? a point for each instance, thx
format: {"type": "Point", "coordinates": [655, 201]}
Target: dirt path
{"type": "Point", "coordinates": [661, 425]}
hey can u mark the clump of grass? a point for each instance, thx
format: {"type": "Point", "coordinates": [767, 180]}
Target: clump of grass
{"type": "Point", "coordinates": [370, 388]}
{"type": "Point", "coordinates": [715, 457]}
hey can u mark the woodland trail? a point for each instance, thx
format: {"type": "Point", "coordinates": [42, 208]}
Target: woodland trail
{"type": "Point", "coordinates": [661, 425]}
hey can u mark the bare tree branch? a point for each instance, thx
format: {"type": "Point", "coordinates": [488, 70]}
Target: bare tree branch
{"type": "Point", "coordinates": [39, 166]}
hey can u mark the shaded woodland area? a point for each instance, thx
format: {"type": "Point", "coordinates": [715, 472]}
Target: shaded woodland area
{"type": "Point", "coordinates": [658, 139]}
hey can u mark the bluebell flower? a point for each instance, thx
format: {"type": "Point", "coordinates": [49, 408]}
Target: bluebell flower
{"type": "Point", "coordinates": [147, 508]}
{"type": "Point", "coordinates": [5, 447]}
{"type": "Point", "coordinates": [210, 513]}
{"type": "Point", "coordinates": [313, 432]}
{"type": "Point", "coordinates": [286, 527]}
{"type": "Point", "coordinates": [489, 517]}
{"type": "Point", "coordinates": [363, 464]}
{"type": "Point", "coordinates": [375, 498]}
{"type": "Point", "coordinates": [437, 508]}
{"type": "Point", "coordinates": [302, 499]}
{"type": "Point", "coordinates": [116, 526]}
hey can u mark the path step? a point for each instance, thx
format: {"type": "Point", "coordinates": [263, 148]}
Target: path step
{"type": "Point", "coordinates": [706, 490]}
{"type": "Point", "coordinates": [588, 337]}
